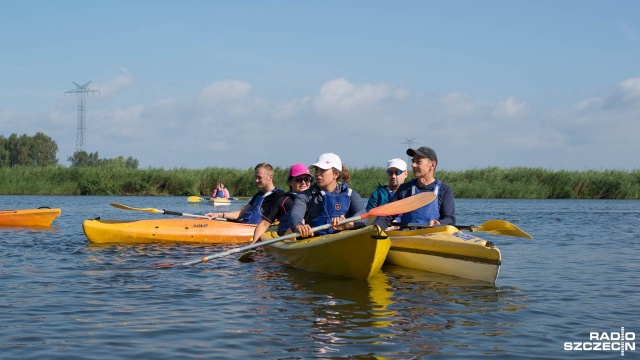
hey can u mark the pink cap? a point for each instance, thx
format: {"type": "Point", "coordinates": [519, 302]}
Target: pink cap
{"type": "Point", "coordinates": [299, 169]}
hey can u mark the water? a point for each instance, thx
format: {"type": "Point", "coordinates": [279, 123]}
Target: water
{"type": "Point", "coordinates": [63, 298]}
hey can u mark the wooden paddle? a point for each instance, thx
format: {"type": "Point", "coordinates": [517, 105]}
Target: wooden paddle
{"type": "Point", "coordinates": [158, 211]}
{"type": "Point", "coordinates": [495, 227]}
{"type": "Point", "coordinates": [393, 208]}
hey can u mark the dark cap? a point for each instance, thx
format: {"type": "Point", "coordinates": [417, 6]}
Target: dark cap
{"type": "Point", "coordinates": [425, 152]}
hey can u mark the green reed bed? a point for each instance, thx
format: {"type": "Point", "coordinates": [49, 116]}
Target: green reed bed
{"type": "Point", "coordinates": [492, 182]}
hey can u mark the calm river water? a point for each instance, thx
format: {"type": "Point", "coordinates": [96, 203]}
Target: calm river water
{"type": "Point", "coordinates": [63, 298]}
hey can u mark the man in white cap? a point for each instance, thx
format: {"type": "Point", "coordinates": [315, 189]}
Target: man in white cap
{"type": "Point", "coordinates": [396, 175]}
{"type": "Point", "coordinates": [328, 201]}
{"type": "Point", "coordinates": [440, 212]}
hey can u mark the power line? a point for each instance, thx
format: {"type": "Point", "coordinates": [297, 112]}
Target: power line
{"type": "Point", "coordinates": [82, 92]}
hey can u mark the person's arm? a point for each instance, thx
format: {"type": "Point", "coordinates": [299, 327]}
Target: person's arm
{"type": "Point", "coordinates": [374, 200]}
{"type": "Point", "coordinates": [356, 209]}
{"type": "Point", "coordinates": [447, 207]}
{"type": "Point", "coordinates": [231, 215]}
{"type": "Point", "coordinates": [225, 193]}
{"type": "Point", "coordinates": [298, 212]}
{"type": "Point", "coordinates": [262, 226]}
{"type": "Point", "coordinates": [385, 221]}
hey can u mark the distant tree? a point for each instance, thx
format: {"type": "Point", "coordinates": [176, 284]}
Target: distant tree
{"type": "Point", "coordinates": [131, 163]}
{"type": "Point", "coordinates": [39, 150]}
{"type": "Point", "coordinates": [43, 150]}
{"type": "Point", "coordinates": [84, 159]}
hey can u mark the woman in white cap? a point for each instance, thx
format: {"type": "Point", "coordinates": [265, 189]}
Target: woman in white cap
{"type": "Point", "coordinates": [328, 201]}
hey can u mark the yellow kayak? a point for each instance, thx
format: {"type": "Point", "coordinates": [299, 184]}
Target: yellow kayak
{"type": "Point", "coordinates": [357, 254]}
{"type": "Point", "coordinates": [220, 201]}
{"type": "Point", "coordinates": [182, 230]}
{"type": "Point", "coordinates": [445, 250]}
{"type": "Point", "coordinates": [29, 217]}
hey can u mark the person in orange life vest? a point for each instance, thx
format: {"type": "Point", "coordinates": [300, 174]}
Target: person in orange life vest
{"type": "Point", "coordinates": [327, 201]}
{"type": "Point", "coordinates": [299, 180]}
{"type": "Point", "coordinates": [442, 211]}
{"type": "Point", "coordinates": [267, 193]}
{"type": "Point", "coordinates": [220, 191]}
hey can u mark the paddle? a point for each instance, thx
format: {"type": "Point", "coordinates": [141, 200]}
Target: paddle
{"type": "Point", "coordinates": [393, 208]}
{"type": "Point", "coordinates": [495, 227]}
{"type": "Point", "coordinates": [158, 211]}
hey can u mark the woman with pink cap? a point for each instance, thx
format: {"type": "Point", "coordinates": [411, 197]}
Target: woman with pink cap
{"type": "Point", "coordinates": [328, 201]}
{"type": "Point", "coordinates": [299, 180]}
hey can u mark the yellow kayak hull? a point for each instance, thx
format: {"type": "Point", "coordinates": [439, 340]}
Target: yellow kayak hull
{"type": "Point", "coordinates": [182, 230]}
{"type": "Point", "coordinates": [357, 254]}
{"type": "Point", "coordinates": [220, 201]}
{"type": "Point", "coordinates": [445, 250]}
{"type": "Point", "coordinates": [29, 217]}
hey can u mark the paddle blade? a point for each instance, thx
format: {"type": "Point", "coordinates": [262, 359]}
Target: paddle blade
{"type": "Point", "coordinates": [502, 227]}
{"type": "Point", "coordinates": [194, 199]}
{"type": "Point", "coordinates": [247, 257]}
{"type": "Point", "coordinates": [125, 207]}
{"type": "Point", "coordinates": [402, 206]}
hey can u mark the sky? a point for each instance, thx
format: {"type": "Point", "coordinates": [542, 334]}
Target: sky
{"type": "Point", "coordinates": [193, 84]}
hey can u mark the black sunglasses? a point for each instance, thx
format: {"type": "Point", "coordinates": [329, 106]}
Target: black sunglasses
{"type": "Point", "coordinates": [301, 179]}
{"type": "Point", "coordinates": [397, 172]}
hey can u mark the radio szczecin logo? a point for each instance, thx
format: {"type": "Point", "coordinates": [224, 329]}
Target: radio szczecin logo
{"type": "Point", "coordinates": [605, 341]}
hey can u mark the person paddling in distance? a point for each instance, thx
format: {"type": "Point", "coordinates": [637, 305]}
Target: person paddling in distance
{"type": "Point", "coordinates": [396, 175]}
{"type": "Point", "coordinates": [299, 180]}
{"type": "Point", "coordinates": [267, 193]}
{"type": "Point", "coordinates": [441, 212]}
{"type": "Point", "coordinates": [328, 201]}
{"type": "Point", "coordinates": [220, 191]}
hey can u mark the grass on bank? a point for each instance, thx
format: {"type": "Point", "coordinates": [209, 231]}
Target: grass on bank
{"type": "Point", "coordinates": [492, 182]}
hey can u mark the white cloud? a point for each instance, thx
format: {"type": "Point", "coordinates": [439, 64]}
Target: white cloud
{"type": "Point", "coordinates": [223, 91]}
{"type": "Point", "coordinates": [224, 124]}
{"type": "Point", "coordinates": [112, 87]}
{"type": "Point", "coordinates": [508, 108]}
{"type": "Point", "coordinates": [339, 96]}
{"type": "Point", "coordinates": [459, 105]}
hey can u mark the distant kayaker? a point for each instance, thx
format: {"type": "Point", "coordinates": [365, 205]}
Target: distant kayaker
{"type": "Point", "coordinates": [327, 201]}
{"type": "Point", "coordinates": [220, 191]}
{"type": "Point", "coordinates": [299, 180]}
{"type": "Point", "coordinates": [396, 175]}
{"type": "Point", "coordinates": [441, 212]}
{"type": "Point", "coordinates": [268, 193]}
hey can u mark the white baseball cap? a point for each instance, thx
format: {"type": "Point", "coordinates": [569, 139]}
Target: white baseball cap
{"type": "Point", "coordinates": [328, 160]}
{"type": "Point", "coordinates": [397, 163]}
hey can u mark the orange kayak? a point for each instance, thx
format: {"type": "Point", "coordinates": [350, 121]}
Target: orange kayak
{"type": "Point", "coordinates": [29, 217]}
{"type": "Point", "coordinates": [182, 230]}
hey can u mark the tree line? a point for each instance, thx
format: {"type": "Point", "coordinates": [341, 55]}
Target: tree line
{"type": "Point", "coordinates": [41, 150]}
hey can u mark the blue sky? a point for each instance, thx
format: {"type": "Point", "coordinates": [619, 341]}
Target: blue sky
{"type": "Point", "coordinates": [551, 84]}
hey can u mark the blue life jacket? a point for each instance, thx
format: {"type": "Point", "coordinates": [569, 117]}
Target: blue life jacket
{"type": "Point", "coordinates": [253, 215]}
{"type": "Point", "coordinates": [219, 193]}
{"type": "Point", "coordinates": [335, 205]}
{"type": "Point", "coordinates": [426, 213]}
{"type": "Point", "coordinates": [284, 219]}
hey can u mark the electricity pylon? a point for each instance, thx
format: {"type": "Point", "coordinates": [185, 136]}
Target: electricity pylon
{"type": "Point", "coordinates": [409, 143]}
{"type": "Point", "coordinates": [82, 92]}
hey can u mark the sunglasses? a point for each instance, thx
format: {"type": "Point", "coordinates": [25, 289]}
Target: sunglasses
{"type": "Point", "coordinates": [397, 172]}
{"type": "Point", "coordinates": [301, 179]}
